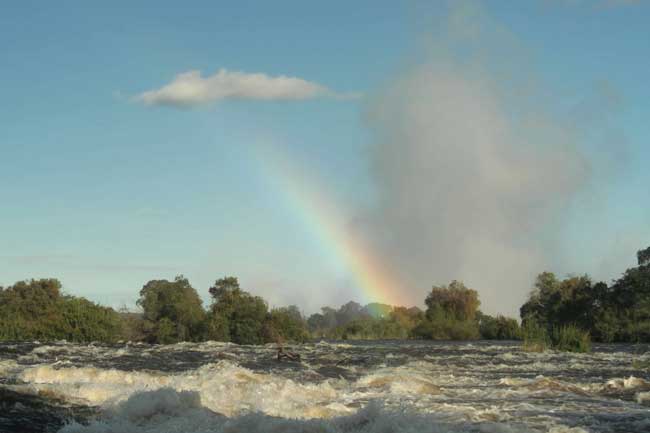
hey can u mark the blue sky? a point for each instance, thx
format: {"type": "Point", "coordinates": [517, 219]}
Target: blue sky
{"type": "Point", "coordinates": [105, 192]}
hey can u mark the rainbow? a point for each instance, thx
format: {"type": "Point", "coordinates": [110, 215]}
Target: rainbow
{"type": "Point", "coordinates": [321, 217]}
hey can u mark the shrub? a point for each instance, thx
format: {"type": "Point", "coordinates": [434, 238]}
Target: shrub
{"type": "Point", "coordinates": [36, 309]}
{"type": "Point", "coordinates": [371, 329]}
{"type": "Point", "coordinates": [83, 320]}
{"type": "Point", "coordinates": [443, 327]}
{"type": "Point", "coordinates": [570, 338]}
{"type": "Point", "coordinates": [536, 338]}
{"type": "Point", "coordinates": [174, 310]}
{"type": "Point", "coordinates": [286, 324]}
{"type": "Point", "coordinates": [499, 328]}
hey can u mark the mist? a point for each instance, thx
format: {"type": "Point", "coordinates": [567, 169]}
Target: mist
{"type": "Point", "coordinates": [474, 170]}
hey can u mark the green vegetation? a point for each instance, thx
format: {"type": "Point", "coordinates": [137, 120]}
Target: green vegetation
{"type": "Point", "coordinates": [242, 318]}
{"type": "Point", "coordinates": [559, 314]}
{"type": "Point", "coordinates": [287, 324]}
{"type": "Point", "coordinates": [451, 314]}
{"type": "Point", "coordinates": [236, 315]}
{"type": "Point", "coordinates": [620, 312]}
{"type": "Point", "coordinates": [498, 328]}
{"type": "Point", "coordinates": [36, 310]}
{"type": "Point", "coordinates": [398, 324]}
{"type": "Point", "coordinates": [172, 311]}
{"type": "Point", "coordinates": [355, 322]}
{"type": "Point", "coordinates": [536, 338]}
{"type": "Point", "coordinates": [568, 338]}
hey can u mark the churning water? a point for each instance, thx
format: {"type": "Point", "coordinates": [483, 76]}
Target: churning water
{"type": "Point", "coordinates": [374, 387]}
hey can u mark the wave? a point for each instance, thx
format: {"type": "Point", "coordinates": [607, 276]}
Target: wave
{"type": "Point", "coordinates": [170, 411]}
{"type": "Point", "coordinates": [225, 388]}
{"type": "Point", "coordinates": [220, 387]}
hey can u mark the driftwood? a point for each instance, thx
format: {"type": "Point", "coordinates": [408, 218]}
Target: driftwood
{"type": "Point", "coordinates": [285, 354]}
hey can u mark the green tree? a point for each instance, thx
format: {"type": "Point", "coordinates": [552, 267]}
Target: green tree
{"type": "Point", "coordinates": [377, 310]}
{"type": "Point", "coordinates": [535, 308]}
{"type": "Point", "coordinates": [286, 324]}
{"type": "Point", "coordinates": [556, 302]}
{"type": "Point", "coordinates": [643, 257]}
{"type": "Point", "coordinates": [87, 321]}
{"type": "Point", "coordinates": [236, 315]}
{"type": "Point", "coordinates": [498, 328]}
{"type": "Point", "coordinates": [455, 301]}
{"type": "Point", "coordinates": [451, 313]}
{"type": "Point", "coordinates": [617, 313]}
{"type": "Point", "coordinates": [37, 309]}
{"type": "Point", "coordinates": [629, 298]}
{"type": "Point", "coordinates": [173, 309]}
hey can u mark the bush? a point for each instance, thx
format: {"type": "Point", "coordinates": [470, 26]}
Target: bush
{"type": "Point", "coordinates": [86, 321]}
{"type": "Point", "coordinates": [570, 338]}
{"type": "Point", "coordinates": [443, 327]}
{"type": "Point", "coordinates": [536, 338]}
{"type": "Point", "coordinates": [37, 310]}
{"type": "Point", "coordinates": [286, 324]}
{"type": "Point", "coordinates": [499, 328]}
{"type": "Point", "coordinates": [371, 329]}
{"type": "Point", "coordinates": [567, 338]}
{"type": "Point", "coordinates": [236, 315]}
{"type": "Point", "coordinates": [173, 309]}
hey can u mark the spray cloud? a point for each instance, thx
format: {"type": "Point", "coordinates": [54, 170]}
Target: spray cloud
{"type": "Point", "coordinates": [474, 176]}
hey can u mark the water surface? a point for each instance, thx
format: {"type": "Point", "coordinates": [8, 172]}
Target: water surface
{"type": "Point", "coordinates": [377, 387]}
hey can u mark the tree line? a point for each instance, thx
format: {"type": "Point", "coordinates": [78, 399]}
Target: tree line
{"type": "Point", "coordinates": [573, 309]}
{"type": "Point", "coordinates": [616, 312]}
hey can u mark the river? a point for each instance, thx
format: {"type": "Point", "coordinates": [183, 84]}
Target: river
{"type": "Point", "coordinates": [373, 387]}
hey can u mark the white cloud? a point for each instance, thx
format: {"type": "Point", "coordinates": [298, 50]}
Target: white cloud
{"type": "Point", "coordinates": [190, 89]}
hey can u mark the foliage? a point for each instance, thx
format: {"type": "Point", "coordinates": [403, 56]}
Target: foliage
{"type": "Point", "coordinates": [287, 324]}
{"type": "Point", "coordinates": [498, 328]}
{"type": "Point", "coordinates": [236, 315]}
{"type": "Point", "coordinates": [446, 327]}
{"type": "Point", "coordinates": [397, 326]}
{"type": "Point", "coordinates": [605, 326]}
{"type": "Point", "coordinates": [536, 338]}
{"type": "Point", "coordinates": [133, 325]}
{"type": "Point", "coordinates": [370, 322]}
{"type": "Point", "coordinates": [320, 324]}
{"type": "Point", "coordinates": [450, 315]}
{"type": "Point", "coordinates": [407, 318]}
{"type": "Point", "coordinates": [329, 322]}
{"type": "Point", "coordinates": [173, 311]}
{"type": "Point", "coordinates": [87, 321]}
{"type": "Point", "coordinates": [36, 310]}
{"type": "Point", "coordinates": [620, 312]}
{"type": "Point", "coordinates": [377, 310]}
{"type": "Point", "coordinates": [454, 300]}
{"type": "Point", "coordinates": [559, 313]}
{"type": "Point", "coordinates": [570, 339]}
{"type": "Point", "coordinates": [643, 257]}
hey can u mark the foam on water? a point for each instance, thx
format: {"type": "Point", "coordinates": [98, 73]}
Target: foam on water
{"type": "Point", "coordinates": [224, 387]}
{"type": "Point", "coordinates": [7, 366]}
{"type": "Point", "coordinates": [374, 388]}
